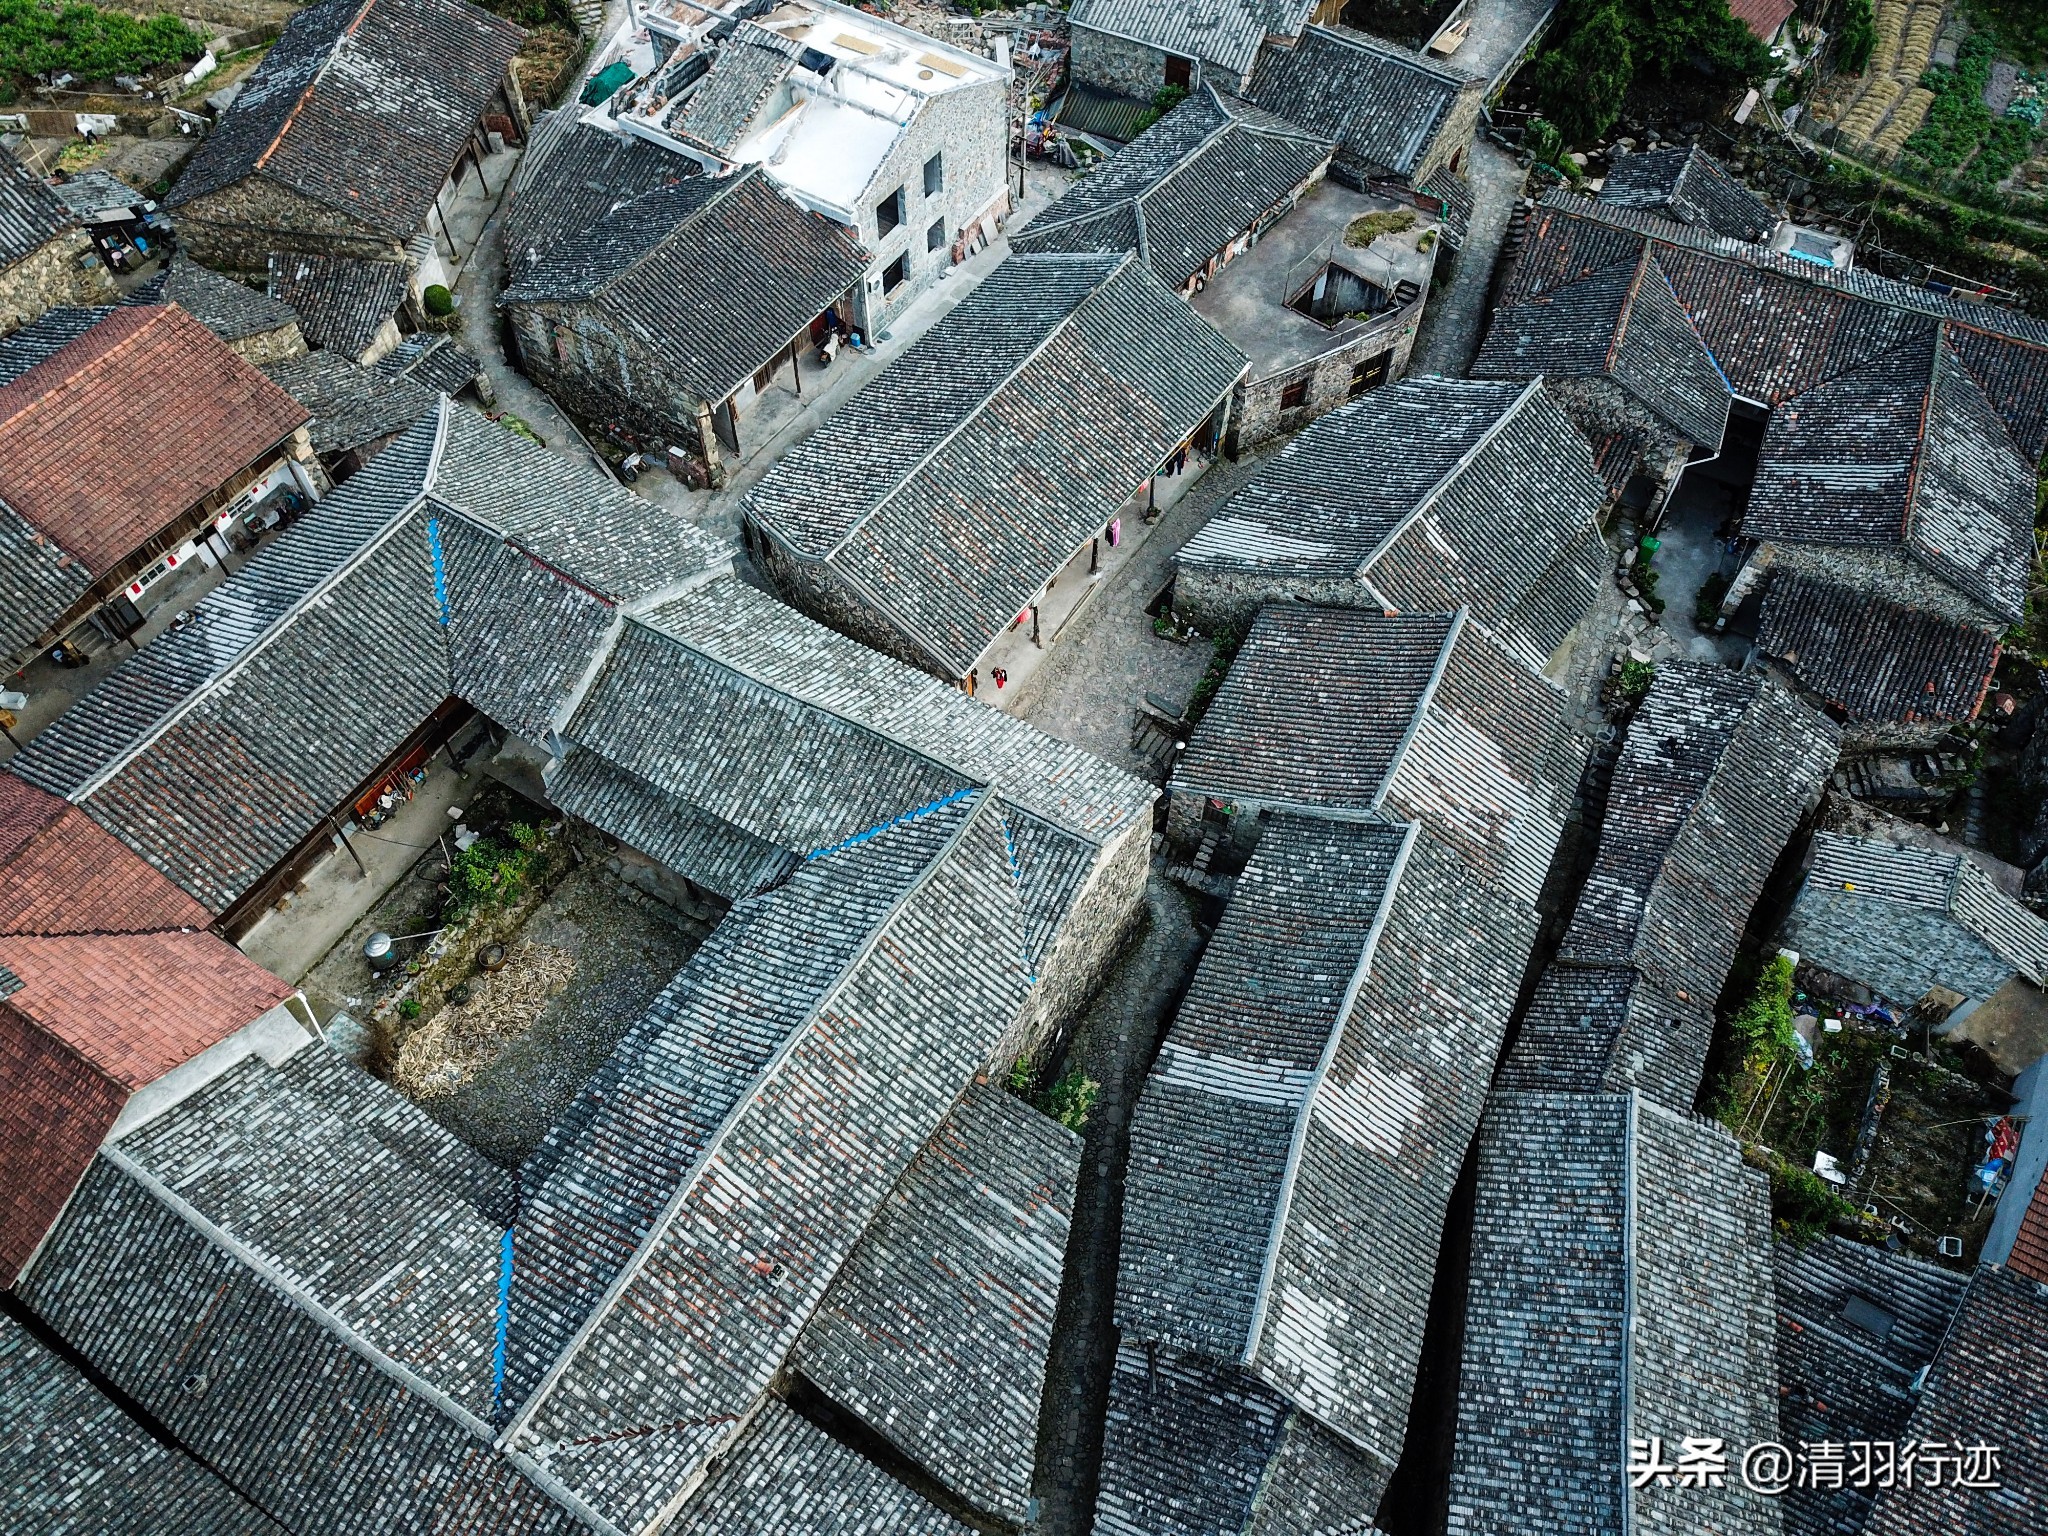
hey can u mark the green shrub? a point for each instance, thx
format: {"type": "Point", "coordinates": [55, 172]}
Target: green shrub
{"type": "Point", "coordinates": [1803, 1203]}
{"type": "Point", "coordinates": [1069, 1100]}
{"type": "Point", "coordinates": [1633, 681]}
{"type": "Point", "coordinates": [1164, 100]}
{"type": "Point", "coordinates": [1019, 1081]}
{"type": "Point", "coordinates": [1855, 36]}
{"type": "Point", "coordinates": [439, 301]}
{"type": "Point", "coordinates": [1706, 606]}
{"type": "Point", "coordinates": [409, 1008]}
{"type": "Point", "coordinates": [1600, 48]}
{"type": "Point", "coordinates": [39, 37]}
{"type": "Point", "coordinates": [488, 874]}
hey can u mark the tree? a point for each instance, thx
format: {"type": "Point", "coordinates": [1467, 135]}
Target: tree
{"type": "Point", "coordinates": [1583, 81]}
{"type": "Point", "coordinates": [1855, 37]}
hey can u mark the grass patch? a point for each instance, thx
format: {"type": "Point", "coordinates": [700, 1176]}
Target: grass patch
{"type": "Point", "coordinates": [489, 874]}
{"type": "Point", "coordinates": [1069, 1100]}
{"type": "Point", "coordinates": [1368, 227]}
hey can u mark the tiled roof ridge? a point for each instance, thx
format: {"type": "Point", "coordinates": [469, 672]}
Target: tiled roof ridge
{"type": "Point", "coordinates": [1450, 476]}
{"type": "Point", "coordinates": [1631, 1212]}
{"type": "Point", "coordinates": [1423, 701]}
{"type": "Point", "coordinates": [277, 628]}
{"type": "Point", "coordinates": [148, 317]}
{"type": "Point", "coordinates": [657, 1231]}
{"type": "Point", "coordinates": [1361, 42]}
{"type": "Point", "coordinates": [293, 1291]}
{"type": "Point", "coordinates": [865, 728]}
{"type": "Point", "coordinates": [1910, 513]}
{"type": "Point", "coordinates": [1855, 283]}
{"type": "Point", "coordinates": [306, 94]}
{"type": "Point", "coordinates": [1136, 200]}
{"type": "Point", "coordinates": [1628, 308]}
{"type": "Point", "coordinates": [1693, 325]}
{"type": "Point", "coordinates": [1124, 262]}
{"type": "Point", "coordinates": [1304, 1111]}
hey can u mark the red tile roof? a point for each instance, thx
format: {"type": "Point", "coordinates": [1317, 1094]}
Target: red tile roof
{"type": "Point", "coordinates": [57, 1112]}
{"type": "Point", "coordinates": [2030, 1245]}
{"type": "Point", "coordinates": [108, 980]}
{"type": "Point", "coordinates": [1763, 17]}
{"type": "Point", "coordinates": [60, 872]}
{"type": "Point", "coordinates": [128, 426]}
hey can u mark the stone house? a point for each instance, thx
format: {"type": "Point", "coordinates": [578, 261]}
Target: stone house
{"type": "Point", "coordinates": [1135, 48]}
{"type": "Point", "coordinates": [116, 472]}
{"type": "Point", "coordinates": [1399, 502]}
{"type": "Point", "coordinates": [1319, 284]}
{"type": "Point", "coordinates": [46, 257]}
{"type": "Point", "coordinates": [259, 328]}
{"type": "Point", "coordinates": [345, 306]}
{"type": "Point", "coordinates": [358, 136]}
{"type": "Point", "coordinates": [676, 309]}
{"type": "Point", "coordinates": [934, 511]}
{"type": "Point", "coordinates": [896, 137]}
{"type": "Point", "coordinates": [1879, 440]}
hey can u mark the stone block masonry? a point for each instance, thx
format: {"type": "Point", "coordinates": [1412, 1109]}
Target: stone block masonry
{"type": "Point", "coordinates": [54, 274]}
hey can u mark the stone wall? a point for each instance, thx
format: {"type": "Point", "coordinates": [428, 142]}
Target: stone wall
{"type": "Point", "coordinates": [49, 276]}
{"type": "Point", "coordinates": [1454, 138]}
{"type": "Point", "coordinates": [968, 129]}
{"type": "Point", "coordinates": [271, 346]}
{"type": "Point", "coordinates": [235, 229]}
{"type": "Point", "coordinates": [1215, 601]}
{"type": "Point", "coordinates": [1600, 408]}
{"type": "Point", "coordinates": [601, 374]}
{"type": "Point", "coordinates": [810, 586]}
{"type": "Point", "coordinates": [1886, 573]}
{"type": "Point", "coordinates": [1118, 65]}
{"type": "Point", "coordinates": [1256, 415]}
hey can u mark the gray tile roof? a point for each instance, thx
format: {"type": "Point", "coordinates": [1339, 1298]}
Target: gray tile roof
{"type": "Point", "coordinates": [435, 363]}
{"type": "Point", "coordinates": [244, 696]}
{"type": "Point", "coordinates": [690, 1263]}
{"type": "Point", "coordinates": [935, 1332]}
{"type": "Point", "coordinates": [1905, 452]}
{"type": "Point", "coordinates": [287, 1255]}
{"type": "Point", "coordinates": [715, 275]}
{"type": "Point", "coordinates": [1778, 326]}
{"type": "Point", "coordinates": [1871, 659]}
{"type": "Point", "coordinates": [1855, 1326]}
{"type": "Point", "coordinates": [1184, 189]}
{"type": "Point", "coordinates": [38, 580]}
{"type": "Point", "coordinates": [1620, 1288]}
{"type": "Point", "coordinates": [1383, 105]}
{"type": "Point", "coordinates": [86, 193]}
{"type": "Point", "coordinates": [342, 303]}
{"type": "Point", "coordinates": [784, 1476]}
{"type": "Point", "coordinates": [31, 213]}
{"type": "Point", "coordinates": [1416, 714]}
{"type": "Point", "coordinates": [1715, 775]}
{"type": "Point", "coordinates": [45, 336]}
{"type": "Point", "coordinates": [1226, 33]}
{"type": "Point", "coordinates": [73, 1464]}
{"type": "Point", "coordinates": [1297, 1140]}
{"type": "Point", "coordinates": [351, 406]}
{"type": "Point", "coordinates": [1984, 1389]}
{"type": "Point", "coordinates": [1623, 323]}
{"type": "Point", "coordinates": [232, 311]}
{"type": "Point", "coordinates": [750, 64]}
{"type": "Point", "coordinates": [361, 107]}
{"type": "Point", "coordinates": [1445, 456]}
{"type": "Point", "coordinates": [1688, 185]}
{"type": "Point", "coordinates": [1902, 918]}
{"type": "Point", "coordinates": [572, 176]}
{"type": "Point", "coordinates": [1196, 1448]}
{"type": "Point", "coordinates": [959, 480]}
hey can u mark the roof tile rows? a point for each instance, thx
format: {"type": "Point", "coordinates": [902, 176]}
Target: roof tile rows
{"type": "Point", "coordinates": [1903, 919]}
{"type": "Point", "coordinates": [343, 304]}
{"type": "Point", "coordinates": [107, 982]}
{"type": "Point", "coordinates": [711, 275]}
{"type": "Point", "coordinates": [953, 486]}
{"type": "Point", "coordinates": [1384, 106]}
{"type": "Point", "coordinates": [71, 1460]}
{"type": "Point", "coordinates": [1204, 174]}
{"type": "Point", "coordinates": [1687, 184]}
{"type": "Point", "coordinates": [108, 440]}
{"type": "Point", "coordinates": [31, 212]}
{"type": "Point", "coordinates": [361, 105]}
{"type": "Point", "coordinates": [1424, 530]}
{"type": "Point", "coordinates": [1715, 775]}
{"type": "Point", "coordinates": [1620, 1289]}
{"type": "Point", "coordinates": [1874, 660]}
{"type": "Point", "coordinates": [1225, 33]}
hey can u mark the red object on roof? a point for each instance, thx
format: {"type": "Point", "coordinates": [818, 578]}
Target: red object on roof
{"type": "Point", "coordinates": [118, 433]}
{"type": "Point", "coordinates": [1763, 17]}
{"type": "Point", "coordinates": [108, 980]}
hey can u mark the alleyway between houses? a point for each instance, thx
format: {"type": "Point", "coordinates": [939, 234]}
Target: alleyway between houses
{"type": "Point", "coordinates": [1455, 318]}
